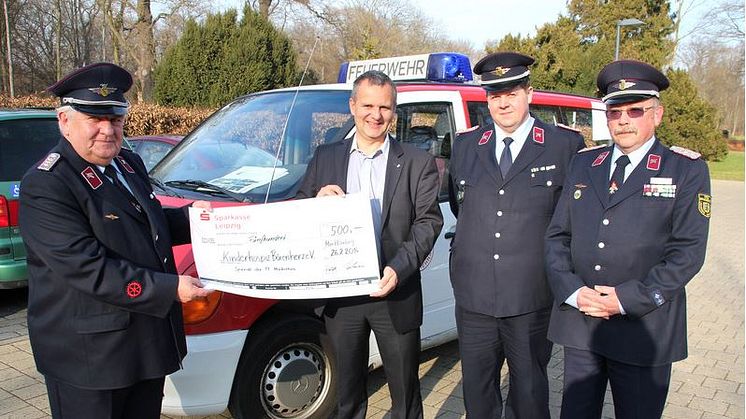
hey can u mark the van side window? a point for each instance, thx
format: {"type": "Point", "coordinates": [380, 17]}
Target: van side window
{"type": "Point", "coordinates": [479, 114]}
{"type": "Point", "coordinates": [429, 127]}
{"type": "Point", "coordinates": [547, 114]}
{"type": "Point", "coordinates": [580, 119]}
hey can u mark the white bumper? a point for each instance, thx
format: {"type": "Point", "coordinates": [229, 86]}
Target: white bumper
{"type": "Point", "coordinates": [203, 387]}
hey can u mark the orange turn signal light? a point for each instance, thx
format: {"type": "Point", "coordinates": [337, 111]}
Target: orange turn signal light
{"type": "Point", "coordinates": [201, 309]}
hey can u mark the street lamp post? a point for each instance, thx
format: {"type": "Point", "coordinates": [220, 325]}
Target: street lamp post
{"type": "Point", "coordinates": [619, 24]}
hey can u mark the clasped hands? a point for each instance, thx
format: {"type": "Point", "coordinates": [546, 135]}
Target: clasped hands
{"type": "Point", "coordinates": [599, 301]}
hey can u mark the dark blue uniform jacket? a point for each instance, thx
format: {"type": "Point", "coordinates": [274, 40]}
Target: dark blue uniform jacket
{"type": "Point", "coordinates": [497, 254]}
{"type": "Point", "coordinates": [102, 309]}
{"type": "Point", "coordinates": [648, 247]}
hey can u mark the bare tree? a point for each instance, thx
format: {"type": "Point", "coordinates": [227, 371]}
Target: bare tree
{"type": "Point", "coordinates": [356, 29]}
{"type": "Point", "coordinates": [715, 60]}
{"type": "Point", "coordinates": [134, 33]}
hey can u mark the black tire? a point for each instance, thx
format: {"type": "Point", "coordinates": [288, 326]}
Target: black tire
{"type": "Point", "coordinates": [284, 373]}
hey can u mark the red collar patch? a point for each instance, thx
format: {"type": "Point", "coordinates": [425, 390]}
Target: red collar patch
{"type": "Point", "coordinates": [91, 177]}
{"type": "Point", "coordinates": [134, 289]}
{"type": "Point", "coordinates": [485, 137]}
{"type": "Point", "coordinates": [538, 135]}
{"type": "Point", "coordinates": [600, 159]}
{"type": "Point", "coordinates": [654, 162]}
{"type": "Point", "coordinates": [124, 164]}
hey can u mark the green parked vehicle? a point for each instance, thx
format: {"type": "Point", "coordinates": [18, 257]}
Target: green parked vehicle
{"type": "Point", "coordinates": [26, 136]}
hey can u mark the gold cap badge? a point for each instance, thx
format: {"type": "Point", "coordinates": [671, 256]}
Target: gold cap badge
{"type": "Point", "coordinates": [624, 84]}
{"type": "Point", "coordinates": [104, 90]}
{"type": "Point", "coordinates": [500, 71]}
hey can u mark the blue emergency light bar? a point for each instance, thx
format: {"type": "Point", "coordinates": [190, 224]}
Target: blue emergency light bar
{"type": "Point", "coordinates": [440, 67]}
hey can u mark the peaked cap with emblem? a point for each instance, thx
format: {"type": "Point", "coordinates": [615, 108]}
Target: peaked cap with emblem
{"type": "Point", "coordinates": [503, 70]}
{"type": "Point", "coordinates": [96, 89]}
{"type": "Point", "coordinates": [626, 81]}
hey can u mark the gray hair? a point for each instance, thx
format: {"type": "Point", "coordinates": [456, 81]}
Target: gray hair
{"type": "Point", "coordinates": [375, 78]}
{"type": "Point", "coordinates": [69, 110]}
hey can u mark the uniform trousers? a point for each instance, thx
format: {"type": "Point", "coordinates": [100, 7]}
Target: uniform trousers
{"type": "Point", "coordinates": [639, 392]}
{"type": "Point", "coordinates": [141, 400]}
{"type": "Point", "coordinates": [349, 322]}
{"type": "Point", "coordinates": [485, 342]}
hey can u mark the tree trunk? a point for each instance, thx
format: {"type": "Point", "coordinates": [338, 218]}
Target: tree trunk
{"type": "Point", "coordinates": [58, 40]}
{"type": "Point", "coordinates": [264, 8]}
{"type": "Point", "coordinates": [10, 54]}
{"type": "Point", "coordinates": [145, 50]}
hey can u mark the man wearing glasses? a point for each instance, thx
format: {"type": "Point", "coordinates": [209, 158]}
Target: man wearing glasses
{"type": "Point", "coordinates": [629, 232]}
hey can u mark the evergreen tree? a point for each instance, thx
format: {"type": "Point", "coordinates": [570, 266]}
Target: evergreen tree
{"type": "Point", "coordinates": [223, 58]}
{"type": "Point", "coordinates": [571, 51]}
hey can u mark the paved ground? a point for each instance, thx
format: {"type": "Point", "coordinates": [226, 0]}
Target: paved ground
{"type": "Point", "coordinates": [707, 385]}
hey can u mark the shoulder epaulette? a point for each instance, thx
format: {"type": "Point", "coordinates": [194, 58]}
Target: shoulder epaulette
{"type": "Point", "coordinates": [596, 147]}
{"type": "Point", "coordinates": [686, 152]}
{"type": "Point", "coordinates": [467, 130]}
{"type": "Point", "coordinates": [569, 128]}
{"type": "Point", "coordinates": [49, 162]}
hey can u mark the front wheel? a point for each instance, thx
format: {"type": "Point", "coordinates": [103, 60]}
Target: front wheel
{"type": "Point", "coordinates": [284, 372]}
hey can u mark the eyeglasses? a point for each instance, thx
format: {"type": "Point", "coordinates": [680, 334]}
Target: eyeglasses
{"type": "Point", "coordinates": [614, 114]}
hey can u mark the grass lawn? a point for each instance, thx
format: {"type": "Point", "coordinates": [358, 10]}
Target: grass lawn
{"type": "Point", "coordinates": [729, 169]}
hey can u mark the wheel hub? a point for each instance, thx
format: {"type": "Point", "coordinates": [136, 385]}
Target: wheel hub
{"type": "Point", "coordinates": [293, 381]}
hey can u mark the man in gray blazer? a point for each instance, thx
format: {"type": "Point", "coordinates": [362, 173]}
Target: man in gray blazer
{"type": "Point", "coordinates": [402, 183]}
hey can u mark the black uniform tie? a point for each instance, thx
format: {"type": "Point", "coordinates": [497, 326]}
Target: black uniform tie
{"type": "Point", "coordinates": [506, 158]}
{"type": "Point", "coordinates": [617, 178]}
{"type": "Point", "coordinates": [111, 172]}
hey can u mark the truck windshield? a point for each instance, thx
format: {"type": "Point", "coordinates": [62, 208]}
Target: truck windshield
{"type": "Point", "coordinates": [239, 148]}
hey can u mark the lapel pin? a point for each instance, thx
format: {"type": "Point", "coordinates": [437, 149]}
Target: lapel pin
{"type": "Point", "coordinates": [111, 216]}
{"type": "Point", "coordinates": [485, 137]}
{"type": "Point", "coordinates": [600, 159]}
{"type": "Point", "coordinates": [654, 162]}
{"type": "Point", "coordinates": [91, 178]}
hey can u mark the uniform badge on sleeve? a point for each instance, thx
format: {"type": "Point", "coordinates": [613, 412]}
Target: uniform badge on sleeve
{"type": "Point", "coordinates": [134, 289]}
{"type": "Point", "coordinates": [704, 204]}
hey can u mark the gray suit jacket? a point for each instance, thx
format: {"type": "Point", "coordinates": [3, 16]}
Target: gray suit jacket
{"type": "Point", "coordinates": [411, 217]}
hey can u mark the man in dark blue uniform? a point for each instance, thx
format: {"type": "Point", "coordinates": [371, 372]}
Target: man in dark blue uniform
{"type": "Point", "coordinates": [629, 232]}
{"type": "Point", "coordinates": [104, 316]}
{"type": "Point", "coordinates": [506, 178]}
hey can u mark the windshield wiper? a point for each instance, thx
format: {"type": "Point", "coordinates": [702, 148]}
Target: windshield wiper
{"type": "Point", "coordinates": [157, 182]}
{"type": "Point", "coordinates": [200, 185]}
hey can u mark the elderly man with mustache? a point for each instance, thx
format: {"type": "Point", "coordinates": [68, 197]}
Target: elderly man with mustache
{"type": "Point", "coordinates": [628, 233]}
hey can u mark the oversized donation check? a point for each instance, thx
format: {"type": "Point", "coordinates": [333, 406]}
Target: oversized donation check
{"type": "Point", "coordinates": [308, 248]}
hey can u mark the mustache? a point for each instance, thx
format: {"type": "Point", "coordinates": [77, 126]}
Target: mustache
{"type": "Point", "coordinates": [628, 130]}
